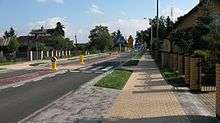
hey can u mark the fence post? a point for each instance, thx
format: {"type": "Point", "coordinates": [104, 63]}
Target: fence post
{"type": "Point", "coordinates": [56, 53]}
{"type": "Point", "coordinates": [59, 54]}
{"type": "Point", "coordinates": [41, 55]}
{"type": "Point", "coordinates": [31, 55]}
{"type": "Point", "coordinates": [48, 54]}
{"type": "Point", "coordinates": [195, 74]}
{"type": "Point", "coordinates": [218, 90]}
{"type": "Point", "coordinates": [1, 54]}
{"type": "Point", "coordinates": [66, 53]}
{"type": "Point", "coordinates": [52, 53]}
{"type": "Point", "coordinates": [187, 69]}
{"type": "Point", "coordinates": [69, 53]}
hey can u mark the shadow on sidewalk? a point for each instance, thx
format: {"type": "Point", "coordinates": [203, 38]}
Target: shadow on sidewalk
{"type": "Point", "coordinates": [168, 119]}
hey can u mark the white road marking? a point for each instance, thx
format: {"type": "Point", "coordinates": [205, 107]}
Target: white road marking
{"type": "Point", "coordinates": [15, 86]}
{"type": "Point", "coordinates": [107, 68]}
{"type": "Point", "coordinates": [84, 68]}
{"type": "Point", "coordinates": [94, 69]}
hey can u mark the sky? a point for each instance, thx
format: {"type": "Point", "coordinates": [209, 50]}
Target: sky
{"type": "Point", "coordinates": [80, 16]}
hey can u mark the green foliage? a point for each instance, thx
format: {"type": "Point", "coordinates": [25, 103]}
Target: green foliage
{"type": "Point", "coordinates": [59, 30]}
{"type": "Point", "coordinates": [100, 38]}
{"type": "Point", "coordinates": [13, 44]}
{"type": "Point", "coordinates": [202, 54]}
{"type": "Point", "coordinates": [59, 43]}
{"type": "Point", "coordinates": [116, 80]}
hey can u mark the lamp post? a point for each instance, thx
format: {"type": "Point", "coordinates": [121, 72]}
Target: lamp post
{"type": "Point", "coordinates": [158, 22]}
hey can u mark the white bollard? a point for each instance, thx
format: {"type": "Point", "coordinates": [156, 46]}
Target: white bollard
{"type": "Point", "coordinates": [31, 55]}
{"type": "Point", "coordinates": [41, 55]}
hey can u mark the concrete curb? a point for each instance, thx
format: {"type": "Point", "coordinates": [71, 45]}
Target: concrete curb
{"type": "Point", "coordinates": [89, 83]}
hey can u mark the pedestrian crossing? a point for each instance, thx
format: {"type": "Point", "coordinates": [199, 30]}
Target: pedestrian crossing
{"type": "Point", "coordinates": [93, 69]}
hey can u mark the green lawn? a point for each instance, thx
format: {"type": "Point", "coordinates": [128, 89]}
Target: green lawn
{"type": "Point", "coordinates": [37, 64]}
{"type": "Point", "coordinates": [2, 68]}
{"type": "Point", "coordinates": [131, 63]}
{"type": "Point", "coordinates": [7, 63]}
{"type": "Point", "coordinates": [116, 80]}
{"type": "Point", "coordinates": [173, 77]}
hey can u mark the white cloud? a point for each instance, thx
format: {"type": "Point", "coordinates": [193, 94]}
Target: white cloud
{"type": "Point", "coordinates": [95, 10]}
{"type": "Point", "coordinates": [56, 1]}
{"type": "Point", "coordinates": [127, 27]}
{"type": "Point", "coordinates": [177, 12]}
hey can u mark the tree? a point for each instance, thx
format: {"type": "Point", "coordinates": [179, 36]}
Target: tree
{"type": "Point", "coordinates": [202, 27]}
{"type": "Point", "coordinates": [11, 32]}
{"type": "Point", "coordinates": [59, 30]}
{"type": "Point", "coordinates": [59, 43]}
{"type": "Point", "coordinates": [100, 38]}
{"type": "Point", "coordinates": [13, 44]}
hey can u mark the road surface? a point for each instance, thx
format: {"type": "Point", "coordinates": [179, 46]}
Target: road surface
{"type": "Point", "coordinates": [18, 102]}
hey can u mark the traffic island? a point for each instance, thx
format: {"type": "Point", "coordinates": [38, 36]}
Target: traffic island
{"type": "Point", "coordinates": [116, 80]}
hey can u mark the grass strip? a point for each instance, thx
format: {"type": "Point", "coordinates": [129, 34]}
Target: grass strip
{"type": "Point", "coordinates": [173, 77]}
{"type": "Point", "coordinates": [37, 64]}
{"type": "Point", "coordinates": [116, 80]}
{"type": "Point", "coordinates": [7, 63]}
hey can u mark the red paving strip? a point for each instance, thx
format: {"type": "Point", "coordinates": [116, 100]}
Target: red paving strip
{"type": "Point", "coordinates": [24, 77]}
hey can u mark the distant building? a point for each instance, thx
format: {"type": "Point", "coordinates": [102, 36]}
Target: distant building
{"type": "Point", "coordinates": [35, 36]}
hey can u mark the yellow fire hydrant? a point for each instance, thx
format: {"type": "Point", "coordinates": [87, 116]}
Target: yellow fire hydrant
{"type": "Point", "coordinates": [54, 64]}
{"type": "Point", "coordinates": [82, 59]}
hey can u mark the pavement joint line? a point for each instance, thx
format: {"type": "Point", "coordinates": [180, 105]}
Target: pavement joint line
{"type": "Point", "coordinates": [93, 81]}
{"type": "Point", "coordinates": [89, 83]}
{"type": "Point", "coordinates": [44, 108]}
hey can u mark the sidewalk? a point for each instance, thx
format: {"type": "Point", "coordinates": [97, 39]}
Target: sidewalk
{"type": "Point", "coordinates": [26, 65]}
{"type": "Point", "coordinates": [148, 98]}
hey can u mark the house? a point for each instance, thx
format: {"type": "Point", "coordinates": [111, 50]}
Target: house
{"type": "Point", "coordinates": [35, 37]}
{"type": "Point", "coordinates": [190, 20]}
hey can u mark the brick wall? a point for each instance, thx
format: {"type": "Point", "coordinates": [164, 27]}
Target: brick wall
{"type": "Point", "coordinates": [195, 74]}
{"type": "Point", "coordinates": [187, 69]}
{"type": "Point", "coordinates": [218, 90]}
{"type": "Point", "coordinates": [180, 64]}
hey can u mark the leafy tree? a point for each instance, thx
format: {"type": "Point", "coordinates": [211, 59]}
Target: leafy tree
{"type": "Point", "coordinates": [100, 38]}
{"type": "Point", "coordinates": [143, 37]}
{"type": "Point", "coordinates": [13, 44]}
{"type": "Point", "coordinates": [59, 43]}
{"type": "Point", "coordinates": [202, 27]}
{"type": "Point", "coordinates": [11, 32]}
{"type": "Point", "coordinates": [59, 30]}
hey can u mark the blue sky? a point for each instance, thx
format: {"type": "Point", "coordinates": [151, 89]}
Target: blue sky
{"type": "Point", "coordinates": [80, 16]}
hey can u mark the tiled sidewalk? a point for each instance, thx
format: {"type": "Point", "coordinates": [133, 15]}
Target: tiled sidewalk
{"type": "Point", "coordinates": [148, 98]}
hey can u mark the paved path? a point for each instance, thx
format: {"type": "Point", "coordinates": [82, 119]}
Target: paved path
{"type": "Point", "coordinates": [148, 98]}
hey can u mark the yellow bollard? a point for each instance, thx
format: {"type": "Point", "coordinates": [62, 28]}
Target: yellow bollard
{"type": "Point", "coordinates": [82, 59]}
{"type": "Point", "coordinates": [54, 64]}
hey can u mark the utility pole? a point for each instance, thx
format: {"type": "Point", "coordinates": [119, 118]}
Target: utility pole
{"type": "Point", "coordinates": [158, 24]}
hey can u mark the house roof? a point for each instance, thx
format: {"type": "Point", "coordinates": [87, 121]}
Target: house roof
{"type": "Point", "coordinates": [4, 42]}
{"type": "Point", "coordinates": [182, 18]}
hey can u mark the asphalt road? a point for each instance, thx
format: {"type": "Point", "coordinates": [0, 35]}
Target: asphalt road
{"type": "Point", "coordinates": [19, 102]}
{"type": "Point", "coordinates": [64, 63]}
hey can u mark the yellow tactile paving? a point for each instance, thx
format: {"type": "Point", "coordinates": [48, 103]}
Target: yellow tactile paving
{"type": "Point", "coordinates": [143, 99]}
